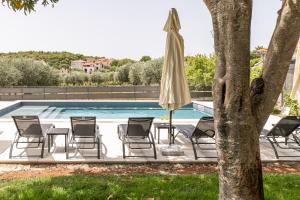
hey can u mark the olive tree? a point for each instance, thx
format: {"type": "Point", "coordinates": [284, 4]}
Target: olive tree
{"type": "Point", "coordinates": [9, 75]}
{"type": "Point", "coordinates": [240, 108]}
{"type": "Point", "coordinates": [77, 78]}
{"type": "Point", "coordinates": [152, 70]}
{"type": "Point", "coordinates": [135, 73]}
{"type": "Point", "coordinates": [35, 73]}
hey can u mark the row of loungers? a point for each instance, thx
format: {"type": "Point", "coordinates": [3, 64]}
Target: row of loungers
{"type": "Point", "coordinates": [138, 131]}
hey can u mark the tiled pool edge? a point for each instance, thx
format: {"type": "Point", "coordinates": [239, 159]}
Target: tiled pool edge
{"type": "Point", "coordinates": [199, 105]}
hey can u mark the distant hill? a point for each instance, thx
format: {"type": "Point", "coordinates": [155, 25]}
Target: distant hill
{"type": "Point", "coordinates": [57, 60]}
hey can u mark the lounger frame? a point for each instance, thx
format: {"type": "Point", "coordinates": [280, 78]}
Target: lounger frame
{"type": "Point", "coordinates": [95, 135]}
{"type": "Point", "coordinates": [127, 137]}
{"type": "Point", "coordinates": [22, 134]}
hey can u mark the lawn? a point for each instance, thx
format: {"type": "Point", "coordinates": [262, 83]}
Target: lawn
{"type": "Point", "coordinates": [277, 187]}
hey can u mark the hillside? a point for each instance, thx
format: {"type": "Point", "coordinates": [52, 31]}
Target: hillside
{"type": "Point", "coordinates": [57, 60]}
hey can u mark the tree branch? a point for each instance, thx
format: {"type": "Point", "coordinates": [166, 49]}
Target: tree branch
{"type": "Point", "coordinates": [278, 58]}
{"type": "Point", "coordinates": [211, 4]}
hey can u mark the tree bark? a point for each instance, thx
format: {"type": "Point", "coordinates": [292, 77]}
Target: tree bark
{"type": "Point", "coordinates": [278, 58]}
{"type": "Point", "coordinates": [240, 110]}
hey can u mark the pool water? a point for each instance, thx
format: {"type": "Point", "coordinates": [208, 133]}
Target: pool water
{"type": "Point", "coordinates": [102, 110]}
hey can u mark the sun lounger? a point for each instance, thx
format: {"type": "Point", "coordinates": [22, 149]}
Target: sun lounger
{"type": "Point", "coordinates": [30, 128]}
{"type": "Point", "coordinates": [284, 133]}
{"type": "Point", "coordinates": [85, 131]}
{"type": "Point", "coordinates": [137, 132]}
{"type": "Point", "coordinates": [203, 129]}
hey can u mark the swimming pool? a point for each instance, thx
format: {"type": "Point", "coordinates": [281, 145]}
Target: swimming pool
{"type": "Point", "coordinates": [102, 110]}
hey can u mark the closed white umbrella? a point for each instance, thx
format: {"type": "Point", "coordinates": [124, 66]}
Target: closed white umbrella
{"type": "Point", "coordinates": [295, 94]}
{"type": "Point", "coordinates": [174, 90]}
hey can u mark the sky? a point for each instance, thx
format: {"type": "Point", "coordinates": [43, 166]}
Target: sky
{"type": "Point", "coordinates": [121, 28]}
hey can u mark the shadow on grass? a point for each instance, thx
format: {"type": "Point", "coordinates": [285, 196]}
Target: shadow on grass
{"type": "Point", "coordinates": [164, 187]}
{"type": "Point", "coordinates": [112, 187]}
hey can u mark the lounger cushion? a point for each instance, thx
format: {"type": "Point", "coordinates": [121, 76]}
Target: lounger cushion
{"type": "Point", "coordinates": [84, 130]}
{"type": "Point", "coordinates": [34, 130]}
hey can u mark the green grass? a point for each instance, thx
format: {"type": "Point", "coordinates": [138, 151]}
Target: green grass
{"type": "Point", "coordinates": [277, 187]}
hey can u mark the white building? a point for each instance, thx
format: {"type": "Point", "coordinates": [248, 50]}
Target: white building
{"type": "Point", "coordinates": [77, 64]}
{"type": "Point", "coordinates": [90, 65]}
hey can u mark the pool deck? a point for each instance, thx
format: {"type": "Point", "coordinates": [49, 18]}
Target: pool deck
{"type": "Point", "coordinates": [112, 146]}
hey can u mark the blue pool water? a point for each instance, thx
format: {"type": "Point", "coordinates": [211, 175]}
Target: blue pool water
{"type": "Point", "coordinates": [102, 110]}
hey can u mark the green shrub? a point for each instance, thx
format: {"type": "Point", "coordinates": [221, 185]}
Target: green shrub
{"type": "Point", "coordinates": [97, 77]}
{"type": "Point", "coordinates": [200, 70]}
{"type": "Point", "coordinates": [288, 101]}
{"type": "Point", "coordinates": [123, 74]}
{"type": "Point", "coordinates": [30, 72]}
{"type": "Point", "coordinates": [254, 61]}
{"type": "Point", "coordinates": [9, 75]}
{"type": "Point", "coordinates": [145, 59]}
{"type": "Point", "coordinates": [255, 72]}
{"type": "Point", "coordinates": [135, 73]}
{"type": "Point", "coordinates": [152, 70]}
{"type": "Point", "coordinates": [76, 78]}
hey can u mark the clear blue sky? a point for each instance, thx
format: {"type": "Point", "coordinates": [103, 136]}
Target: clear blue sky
{"type": "Point", "coordinates": [120, 28]}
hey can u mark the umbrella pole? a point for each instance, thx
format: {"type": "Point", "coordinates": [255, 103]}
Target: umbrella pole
{"type": "Point", "coordinates": [170, 128]}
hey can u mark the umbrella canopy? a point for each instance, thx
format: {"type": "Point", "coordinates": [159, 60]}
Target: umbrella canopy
{"type": "Point", "coordinates": [295, 94]}
{"type": "Point", "coordinates": [174, 91]}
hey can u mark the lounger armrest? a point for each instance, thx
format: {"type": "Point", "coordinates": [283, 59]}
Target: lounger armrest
{"type": "Point", "coordinates": [98, 134]}
{"type": "Point", "coordinates": [122, 130]}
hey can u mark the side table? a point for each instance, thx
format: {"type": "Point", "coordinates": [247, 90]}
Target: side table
{"type": "Point", "coordinates": [159, 126]}
{"type": "Point", "coordinates": [58, 131]}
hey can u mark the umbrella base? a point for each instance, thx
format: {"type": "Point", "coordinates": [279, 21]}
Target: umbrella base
{"type": "Point", "coordinates": [171, 150]}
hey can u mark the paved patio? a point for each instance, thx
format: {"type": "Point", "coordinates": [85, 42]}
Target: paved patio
{"type": "Point", "coordinates": [112, 147]}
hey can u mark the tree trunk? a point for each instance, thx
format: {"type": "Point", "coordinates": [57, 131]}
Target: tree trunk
{"type": "Point", "coordinates": [236, 134]}
{"type": "Point", "coordinates": [238, 108]}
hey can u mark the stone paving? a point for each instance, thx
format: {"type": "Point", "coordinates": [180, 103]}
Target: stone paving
{"type": "Point", "coordinates": [112, 147]}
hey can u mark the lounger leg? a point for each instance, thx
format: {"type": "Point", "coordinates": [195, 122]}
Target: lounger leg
{"type": "Point", "coordinates": [12, 146]}
{"type": "Point", "coordinates": [150, 142]}
{"type": "Point", "coordinates": [123, 146]}
{"type": "Point", "coordinates": [98, 147]}
{"type": "Point", "coordinates": [194, 149]}
{"type": "Point", "coordinates": [154, 148]}
{"type": "Point", "coordinates": [296, 139]}
{"type": "Point", "coordinates": [11, 149]}
{"type": "Point", "coordinates": [43, 145]}
{"type": "Point", "coordinates": [100, 140]}
{"type": "Point", "coordinates": [158, 136]}
{"type": "Point", "coordinates": [17, 141]}
{"type": "Point", "coordinates": [49, 145]}
{"type": "Point", "coordinates": [273, 146]}
{"type": "Point", "coordinates": [67, 146]}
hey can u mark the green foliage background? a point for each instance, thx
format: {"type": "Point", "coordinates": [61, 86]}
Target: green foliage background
{"type": "Point", "coordinates": [57, 60]}
{"type": "Point", "coordinates": [42, 68]}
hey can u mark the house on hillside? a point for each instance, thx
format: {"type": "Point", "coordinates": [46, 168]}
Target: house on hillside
{"type": "Point", "coordinates": [77, 64]}
{"type": "Point", "coordinates": [88, 67]}
{"type": "Point", "coordinates": [91, 64]}
{"type": "Point", "coordinates": [262, 52]}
